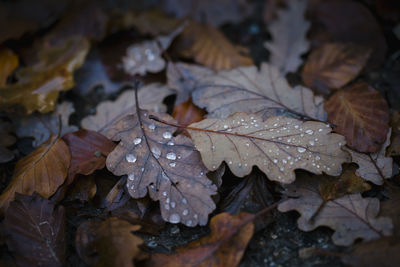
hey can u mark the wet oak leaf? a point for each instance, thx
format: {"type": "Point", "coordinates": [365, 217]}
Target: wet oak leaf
{"type": "Point", "coordinates": [277, 146]}
{"type": "Point", "coordinates": [288, 37]}
{"type": "Point", "coordinates": [264, 91]}
{"type": "Point", "coordinates": [361, 114]}
{"type": "Point", "coordinates": [35, 231]}
{"type": "Point", "coordinates": [351, 216]}
{"type": "Point", "coordinates": [224, 246]}
{"type": "Point", "coordinates": [39, 85]}
{"type": "Point", "coordinates": [333, 65]}
{"type": "Point", "coordinates": [8, 63]}
{"type": "Point", "coordinates": [108, 112]}
{"type": "Point", "coordinates": [42, 171]}
{"type": "Point", "coordinates": [373, 167]}
{"type": "Point", "coordinates": [166, 167]}
{"type": "Point", "coordinates": [209, 47]}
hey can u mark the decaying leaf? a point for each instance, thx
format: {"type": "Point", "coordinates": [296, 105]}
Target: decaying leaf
{"type": "Point", "coordinates": [38, 86]}
{"type": "Point", "coordinates": [42, 171]}
{"type": "Point", "coordinates": [109, 112]}
{"type": "Point", "coordinates": [333, 65]}
{"type": "Point", "coordinates": [111, 240]}
{"type": "Point", "coordinates": [6, 140]}
{"type": "Point", "coordinates": [8, 62]}
{"type": "Point", "coordinates": [208, 46]}
{"type": "Point", "coordinates": [361, 114]}
{"type": "Point", "coordinates": [263, 91]}
{"type": "Point", "coordinates": [382, 252]}
{"type": "Point", "coordinates": [288, 37]}
{"type": "Point", "coordinates": [146, 56]}
{"type": "Point", "coordinates": [277, 146]}
{"type": "Point", "coordinates": [41, 126]}
{"type": "Point", "coordinates": [391, 207]}
{"type": "Point", "coordinates": [394, 148]}
{"type": "Point", "coordinates": [35, 231]}
{"type": "Point", "coordinates": [224, 246]}
{"type": "Point", "coordinates": [166, 167]}
{"type": "Point", "coordinates": [83, 189]}
{"type": "Point", "coordinates": [374, 167]}
{"type": "Point", "coordinates": [351, 216]}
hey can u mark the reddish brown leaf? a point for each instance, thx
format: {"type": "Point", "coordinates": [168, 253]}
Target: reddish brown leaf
{"type": "Point", "coordinates": [361, 114]}
{"type": "Point", "coordinates": [333, 65]}
{"type": "Point", "coordinates": [42, 171]}
{"type": "Point", "coordinates": [84, 188]}
{"type": "Point", "coordinates": [35, 231]}
{"type": "Point", "coordinates": [224, 246]}
{"type": "Point", "coordinates": [394, 148]}
{"type": "Point", "coordinates": [186, 113]}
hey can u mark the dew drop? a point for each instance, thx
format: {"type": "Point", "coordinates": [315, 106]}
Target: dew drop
{"type": "Point", "coordinates": [164, 193]}
{"type": "Point", "coordinates": [275, 161]}
{"type": "Point", "coordinates": [131, 176]}
{"type": "Point", "coordinates": [171, 156]}
{"type": "Point", "coordinates": [172, 164]}
{"type": "Point", "coordinates": [296, 126]}
{"type": "Point", "coordinates": [173, 204]}
{"type": "Point", "coordinates": [170, 143]}
{"type": "Point", "coordinates": [226, 126]}
{"type": "Point", "coordinates": [130, 158]}
{"type": "Point", "coordinates": [185, 212]}
{"type": "Point", "coordinates": [166, 206]}
{"type": "Point", "coordinates": [137, 140]}
{"type": "Point", "coordinates": [317, 157]}
{"type": "Point", "coordinates": [189, 222]}
{"type": "Point", "coordinates": [167, 135]}
{"type": "Point", "coordinates": [320, 130]}
{"type": "Point", "coordinates": [152, 126]}
{"type": "Point", "coordinates": [195, 216]}
{"type": "Point", "coordinates": [184, 201]}
{"type": "Point", "coordinates": [301, 149]}
{"type": "Point", "coordinates": [311, 143]}
{"type": "Point", "coordinates": [156, 152]}
{"type": "Point", "coordinates": [167, 200]}
{"type": "Point", "coordinates": [174, 218]}
{"type": "Point", "coordinates": [309, 131]}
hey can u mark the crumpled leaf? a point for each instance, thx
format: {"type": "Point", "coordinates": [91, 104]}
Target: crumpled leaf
{"type": "Point", "coordinates": [146, 56]}
{"type": "Point", "coordinates": [333, 65]}
{"type": "Point", "coordinates": [263, 91]}
{"type": "Point", "coordinates": [277, 146]}
{"type": "Point", "coordinates": [382, 252]}
{"type": "Point", "coordinates": [109, 112]}
{"type": "Point", "coordinates": [351, 216]}
{"type": "Point", "coordinates": [39, 85]}
{"type": "Point", "coordinates": [8, 63]}
{"type": "Point", "coordinates": [361, 114]}
{"type": "Point", "coordinates": [166, 167]}
{"type": "Point", "coordinates": [288, 37]}
{"type": "Point", "coordinates": [42, 171]}
{"type": "Point", "coordinates": [394, 147]}
{"type": "Point", "coordinates": [38, 126]}
{"type": "Point", "coordinates": [224, 246]}
{"type": "Point", "coordinates": [35, 231]}
{"type": "Point", "coordinates": [6, 140]}
{"type": "Point", "coordinates": [373, 167]}
{"type": "Point", "coordinates": [213, 12]}
{"type": "Point", "coordinates": [111, 240]}
{"type": "Point", "coordinates": [208, 46]}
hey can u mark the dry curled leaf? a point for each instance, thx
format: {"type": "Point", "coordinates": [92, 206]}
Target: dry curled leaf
{"type": "Point", "coordinates": [333, 65]}
{"type": "Point", "coordinates": [8, 62]}
{"type": "Point", "coordinates": [112, 240]}
{"type": "Point", "coordinates": [35, 231]}
{"type": "Point", "coordinates": [6, 140]}
{"type": "Point", "coordinates": [374, 167]}
{"type": "Point", "coordinates": [224, 246]}
{"type": "Point", "coordinates": [146, 56]}
{"type": "Point", "coordinates": [109, 112]}
{"type": "Point", "coordinates": [263, 91]}
{"type": "Point", "coordinates": [361, 114]}
{"type": "Point", "coordinates": [288, 37]}
{"type": "Point", "coordinates": [208, 46]}
{"type": "Point", "coordinates": [277, 146]}
{"type": "Point", "coordinates": [166, 167]}
{"type": "Point", "coordinates": [351, 216]}
{"type": "Point", "coordinates": [42, 171]}
{"type": "Point", "coordinates": [39, 85]}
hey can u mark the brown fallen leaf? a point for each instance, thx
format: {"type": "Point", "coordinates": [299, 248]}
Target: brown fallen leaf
{"type": "Point", "coordinates": [208, 46]}
{"type": "Point", "coordinates": [373, 167]}
{"type": "Point", "coordinates": [351, 216]}
{"type": "Point", "coordinates": [109, 112]}
{"type": "Point", "coordinates": [42, 171]}
{"type": "Point", "coordinates": [361, 114]}
{"type": "Point", "coordinates": [224, 246]}
{"type": "Point", "coordinates": [186, 113]}
{"type": "Point", "coordinates": [83, 189]}
{"type": "Point", "coordinates": [108, 243]}
{"type": "Point", "coordinates": [382, 252]}
{"type": "Point", "coordinates": [166, 167]}
{"type": "Point", "coordinates": [39, 85]}
{"type": "Point", "coordinates": [263, 91]}
{"type": "Point", "coordinates": [277, 146]}
{"type": "Point", "coordinates": [8, 63]}
{"type": "Point", "coordinates": [394, 147]}
{"type": "Point", "coordinates": [333, 65]}
{"type": "Point", "coordinates": [35, 231]}
{"type": "Point", "coordinates": [288, 33]}
{"type": "Point", "coordinates": [391, 206]}
{"type": "Point", "coordinates": [6, 140]}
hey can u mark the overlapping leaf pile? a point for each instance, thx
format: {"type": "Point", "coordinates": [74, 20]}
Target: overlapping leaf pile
{"type": "Point", "coordinates": [243, 138]}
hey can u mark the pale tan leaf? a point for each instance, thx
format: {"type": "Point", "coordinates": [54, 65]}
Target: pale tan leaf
{"type": "Point", "coordinates": [277, 146]}
{"type": "Point", "coordinates": [351, 216]}
{"type": "Point", "coordinates": [168, 168]}
{"type": "Point", "coordinates": [264, 91]}
{"type": "Point", "coordinates": [109, 112]}
{"type": "Point", "coordinates": [373, 167]}
{"type": "Point", "coordinates": [288, 37]}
